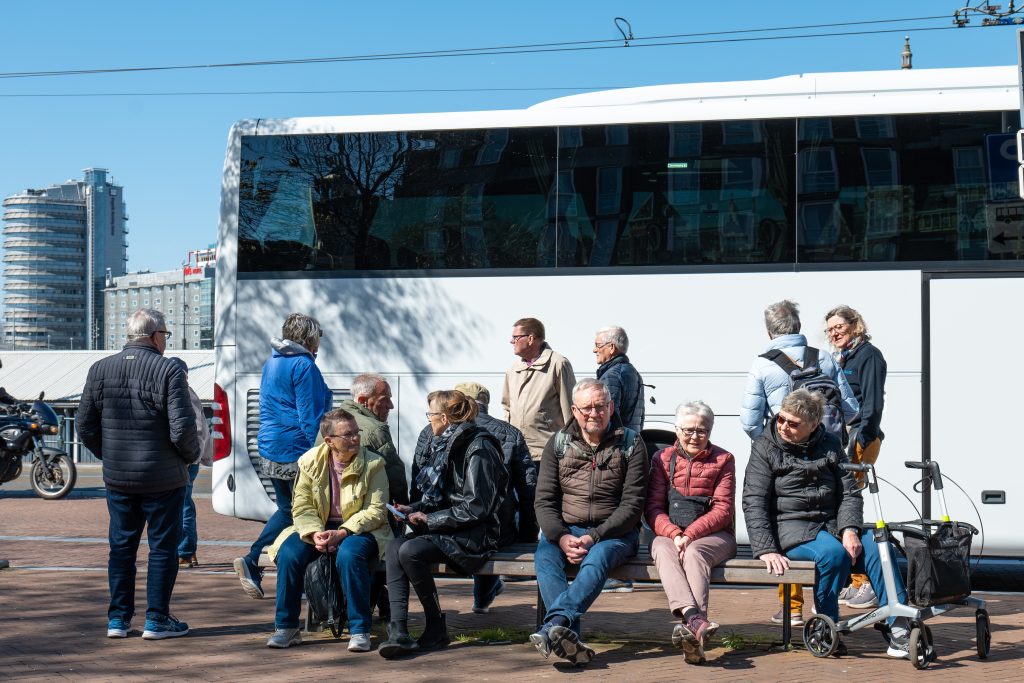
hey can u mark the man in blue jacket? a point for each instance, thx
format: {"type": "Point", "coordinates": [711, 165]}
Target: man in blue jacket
{"type": "Point", "coordinates": [136, 416]}
{"type": "Point", "coordinates": [293, 398]}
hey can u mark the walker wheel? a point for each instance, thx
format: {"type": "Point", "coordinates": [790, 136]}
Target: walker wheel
{"type": "Point", "coordinates": [984, 633]}
{"type": "Point", "coordinates": [920, 656]}
{"type": "Point", "coordinates": [821, 638]}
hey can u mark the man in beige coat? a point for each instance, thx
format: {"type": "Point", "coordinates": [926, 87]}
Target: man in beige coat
{"type": "Point", "coordinates": [537, 396]}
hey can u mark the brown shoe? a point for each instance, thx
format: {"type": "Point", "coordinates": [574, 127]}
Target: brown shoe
{"type": "Point", "coordinates": [187, 562]}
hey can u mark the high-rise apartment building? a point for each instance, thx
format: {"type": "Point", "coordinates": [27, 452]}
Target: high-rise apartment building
{"type": "Point", "coordinates": [60, 245]}
{"type": "Point", "coordinates": [185, 297]}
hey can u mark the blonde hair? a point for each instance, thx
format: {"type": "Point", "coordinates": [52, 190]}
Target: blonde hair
{"type": "Point", "coordinates": [454, 405]}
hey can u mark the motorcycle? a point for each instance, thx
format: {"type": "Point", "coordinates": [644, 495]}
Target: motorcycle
{"type": "Point", "coordinates": [22, 427]}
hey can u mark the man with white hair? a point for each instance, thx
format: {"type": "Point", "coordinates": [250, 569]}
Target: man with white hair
{"type": "Point", "coordinates": [590, 497]}
{"type": "Point", "coordinates": [623, 380]}
{"type": "Point", "coordinates": [370, 405]}
{"type": "Point", "coordinates": [136, 416]}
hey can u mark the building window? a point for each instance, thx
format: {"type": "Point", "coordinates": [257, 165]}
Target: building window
{"type": "Point", "coordinates": [156, 302]}
{"type": "Point", "coordinates": [145, 302]}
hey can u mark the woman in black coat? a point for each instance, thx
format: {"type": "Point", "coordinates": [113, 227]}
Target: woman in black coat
{"type": "Point", "coordinates": [799, 504]}
{"type": "Point", "coordinates": [461, 515]}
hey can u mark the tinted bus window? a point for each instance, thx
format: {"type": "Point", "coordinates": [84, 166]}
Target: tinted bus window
{"type": "Point", "coordinates": [916, 187]}
{"type": "Point", "coordinates": [676, 193]}
{"type": "Point", "coordinates": [383, 201]}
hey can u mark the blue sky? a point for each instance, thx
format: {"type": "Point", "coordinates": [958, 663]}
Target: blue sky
{"type": "Point", "coordinates": [168, 151]}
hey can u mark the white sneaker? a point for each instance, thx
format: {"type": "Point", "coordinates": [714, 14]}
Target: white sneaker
{"type": "Point", "coordinates": [285, 637]}
{"type": "Point", "coordinates": [847, 594]}
{"type": "Point", "coordinates": [359, 642]}
{"type": "Point", "coordinates": [864, 599]}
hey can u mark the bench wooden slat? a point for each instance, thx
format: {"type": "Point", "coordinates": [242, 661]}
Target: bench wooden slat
{"type": "Point", "coordinates": [518, 561]}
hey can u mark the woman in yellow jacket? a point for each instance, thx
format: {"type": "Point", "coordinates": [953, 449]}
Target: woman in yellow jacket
{"type": "Point", "coordinates": [338, 504]}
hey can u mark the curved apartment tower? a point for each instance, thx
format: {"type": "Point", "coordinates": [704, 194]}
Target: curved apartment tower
{"type": "Point", "coordinates": [60, 244]}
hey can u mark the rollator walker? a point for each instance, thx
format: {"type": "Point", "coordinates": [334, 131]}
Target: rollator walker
{"type": "Point", "coordinates": [938, 553]}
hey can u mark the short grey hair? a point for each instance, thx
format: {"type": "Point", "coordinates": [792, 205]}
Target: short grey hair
{"type": "Point", "coordinates": [807, 405]}
{"type": "Point", "coordinates": [589, 385]}
{"type": "Point", "coordinates": [302, 329]}
{"type": "Point", "coordinates": [698, 408]}
{"type": "Point", "coordinates": [143, 323]}
{"type": "Point", "coordinates": [615, 335]}
{"type": "Point", "coordinates": [366, 385]}
{"type": "Point", "coordinates": [782, 317]}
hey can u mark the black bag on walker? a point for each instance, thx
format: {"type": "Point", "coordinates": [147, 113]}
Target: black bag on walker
{"type": "Point", "coordinates": [939, 564]}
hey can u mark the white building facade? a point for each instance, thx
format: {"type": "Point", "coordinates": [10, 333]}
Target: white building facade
{"type": "Point", "coordinates": [184, 296]}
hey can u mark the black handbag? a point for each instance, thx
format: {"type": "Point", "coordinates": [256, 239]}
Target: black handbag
{"type": "Point", "coordinates": [683, 510]}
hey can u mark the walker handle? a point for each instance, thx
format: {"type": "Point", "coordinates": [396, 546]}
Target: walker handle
{"type": "Point", "coordinates": [933, 471]}
{"type": "Point", "coordinates": [851, 467]}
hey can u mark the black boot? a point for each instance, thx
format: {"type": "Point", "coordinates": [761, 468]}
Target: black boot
{"type": "Point", "coordinates": [435, 635]}
{"type": "Point", "coordinates": [399, 641]}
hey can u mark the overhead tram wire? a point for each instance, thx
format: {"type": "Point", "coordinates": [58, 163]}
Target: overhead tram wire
{"type": "Point", "coordinates": [390, 91]}
{"type": "Point", "coordinates": [535, 48]}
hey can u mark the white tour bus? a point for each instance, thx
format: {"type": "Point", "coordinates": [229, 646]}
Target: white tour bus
{"type": "Point", "coordinates": [678, 212]}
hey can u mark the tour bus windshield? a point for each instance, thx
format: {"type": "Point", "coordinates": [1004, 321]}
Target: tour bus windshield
{"type": "Point", "coordinates": [883, 188]}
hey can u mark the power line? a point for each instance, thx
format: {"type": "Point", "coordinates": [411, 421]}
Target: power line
{"type": "Point", "coordinates": [534, 48]}
{"type": "Point", "coordinates": [316, 92]}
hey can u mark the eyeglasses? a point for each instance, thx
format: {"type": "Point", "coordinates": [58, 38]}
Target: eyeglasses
{"type": "Point", "coordinates": [784, 422]}
{"type": "Point", "coordinates": [166, 333]}
{"type": "Point", "coordinates": [430, 415]}
{"type": "Point", "coordinates": [687, 432]}
{"type": "Point", "coordinates": [598, 347]}
{"type": "Point", "coordinates": [838, 327]}
{"type": "Point", "coordinates": [517, 337]}
{"type": "Point", "coordinates": [596, 408]}
{"type": "Point", "coordinates": [348, 436]}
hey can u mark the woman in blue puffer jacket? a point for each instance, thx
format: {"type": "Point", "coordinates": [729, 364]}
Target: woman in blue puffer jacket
{"type": "Point", "coordinates": [293, 398]}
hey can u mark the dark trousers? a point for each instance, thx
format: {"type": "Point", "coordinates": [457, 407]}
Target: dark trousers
{"type": "Point", "coordinates": [278, 522]}
{"type": "Point", "coordinates": [408, 561]}
{"type": "Point", "coordinates": [160, 515]}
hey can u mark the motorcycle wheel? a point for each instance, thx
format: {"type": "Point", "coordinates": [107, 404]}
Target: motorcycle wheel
{"type": "Point", "coordinates": [54, 480]}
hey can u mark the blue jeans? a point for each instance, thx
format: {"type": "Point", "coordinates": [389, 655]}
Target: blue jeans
{"type": "Point", "coordinates": [189, 531]}
{"type": "Point", "coordinates": [356, 561]}
{"type": "Point", "coordinates": [160, 515]}
{"type": "Point", "coordinates": [278, 522]}
{"type": "Point", "coordinates": [572, 601]}
{"type": "Point", "coordinates": [833, 566]}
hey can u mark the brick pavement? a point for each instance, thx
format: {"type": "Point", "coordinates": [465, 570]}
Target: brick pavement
{"type": "Point", "coordinates": [54, 622]}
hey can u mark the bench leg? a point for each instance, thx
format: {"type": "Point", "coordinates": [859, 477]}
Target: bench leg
{"type": "Point", "coordinates": [787, 626]}
{"type": "Point", "coordinates": [541, 608]}
{"type": "Point", "coordinates": [310, 626]}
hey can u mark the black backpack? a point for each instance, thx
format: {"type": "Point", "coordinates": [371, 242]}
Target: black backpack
{"type": "Point", "coordinates": [324, 597]}
{"type": "Point", "coordinates": [811, 377]}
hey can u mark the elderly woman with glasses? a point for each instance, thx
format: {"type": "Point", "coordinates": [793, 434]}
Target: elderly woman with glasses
{"type": "Point", "coordinates": [799, 504]}
{"type": "Point", "coordinates": [461, 516]}
{"type": "Point", "coordinates": [691, 505]}
{"type": "Point", "coordinates": [338, 506]}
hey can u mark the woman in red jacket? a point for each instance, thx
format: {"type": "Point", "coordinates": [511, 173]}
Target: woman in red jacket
{"type": "Point", "coordinates": [691, 501]}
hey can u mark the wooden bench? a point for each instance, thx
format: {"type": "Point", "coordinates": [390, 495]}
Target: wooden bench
{"type": "Point", "coordinates": [517, 560]}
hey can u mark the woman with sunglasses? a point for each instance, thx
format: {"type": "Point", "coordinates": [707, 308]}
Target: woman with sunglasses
{"type": "Point", "coordinates": [691, 505]}
{"type": "Point", "coordinates": [800, 505]}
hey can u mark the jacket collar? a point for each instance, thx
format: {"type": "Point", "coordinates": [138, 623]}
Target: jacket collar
{"type": "Point", "coordinates": [609, 364]}
{"type": "Point", "coordinates": [800, 450]}
{"type": "Point", "coordinates": [543, 360]}
{"type": "Point", "coordinates": [286, 347]}
{"type": "Point", "coordinates": [353, 406]}
{"type": "Point", "coordinates": [141, 346]}
{"type": "Point", "coordinates": [786, 341]}
{"type": "Point", "coordinates": [316, 461]}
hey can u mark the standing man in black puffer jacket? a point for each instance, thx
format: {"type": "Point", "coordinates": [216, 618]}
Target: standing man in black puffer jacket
{"type": "Point", "coordinates": [136, 416]}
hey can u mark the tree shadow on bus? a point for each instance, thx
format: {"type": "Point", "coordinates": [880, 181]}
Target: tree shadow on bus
{"type": "Point", "coordinates": [373, 324]}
